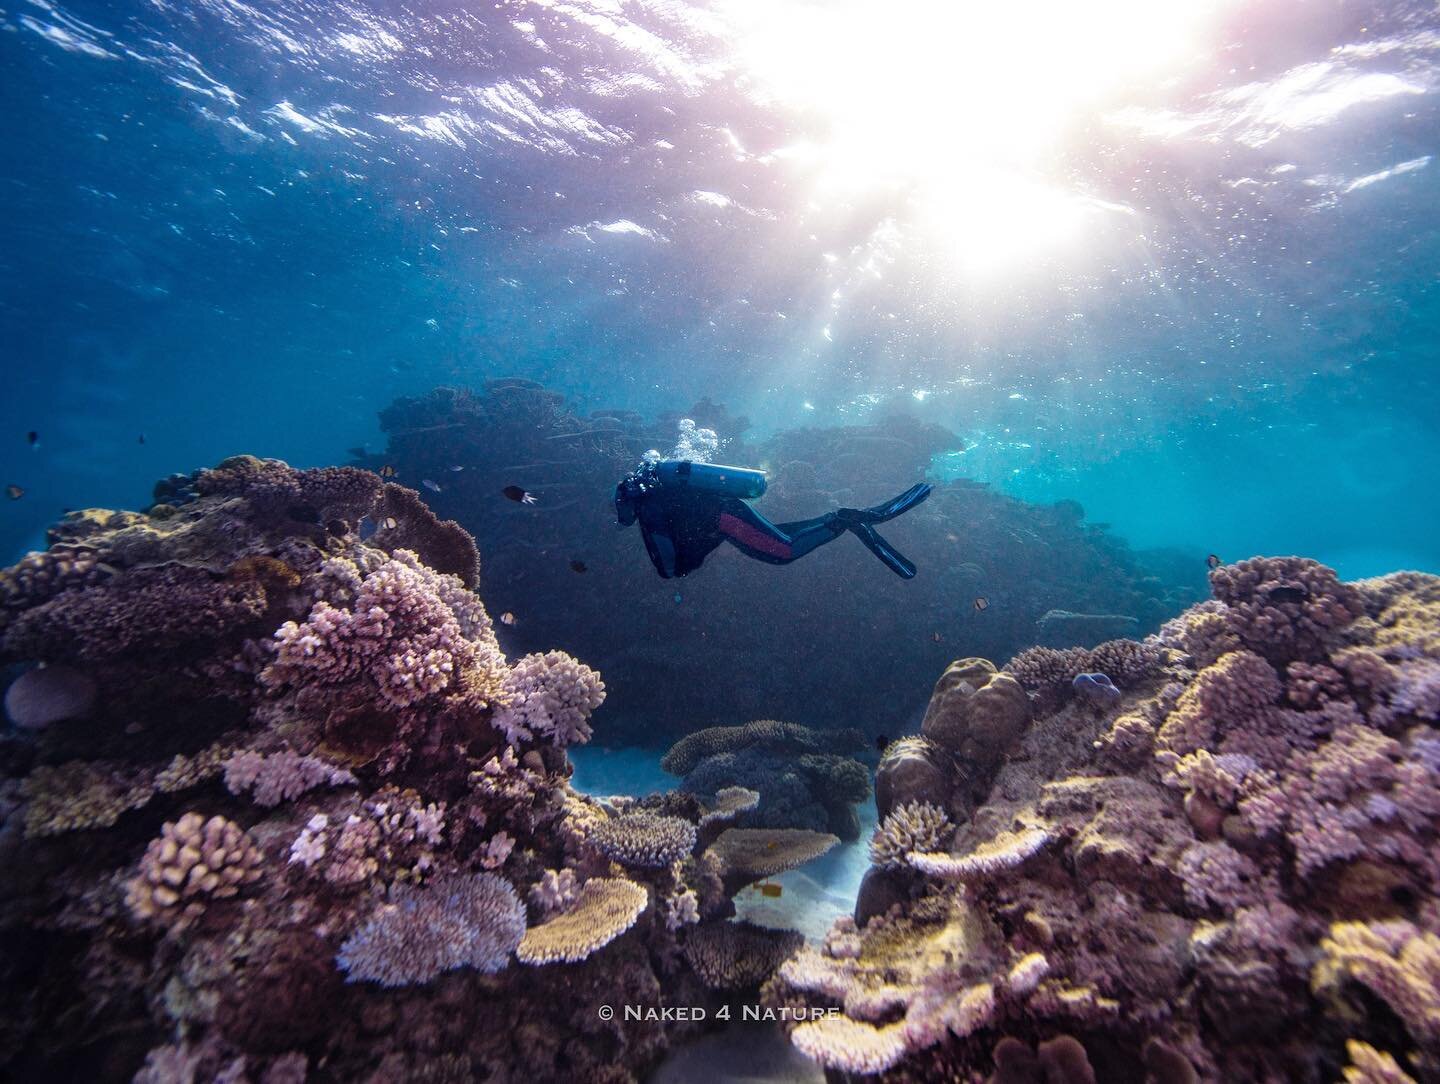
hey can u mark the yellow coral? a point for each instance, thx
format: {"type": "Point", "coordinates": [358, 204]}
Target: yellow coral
{"type": "Point", "coordinates": [605, 909]}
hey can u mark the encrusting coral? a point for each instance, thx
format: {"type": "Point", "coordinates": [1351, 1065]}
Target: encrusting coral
{"type": "Point", "coordinates": [306, 813]}
{"type": "Point", "coordinates": [1227, 873]}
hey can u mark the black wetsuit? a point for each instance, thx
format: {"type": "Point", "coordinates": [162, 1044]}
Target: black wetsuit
{"type": "Point", "coordinates": [683, 523]}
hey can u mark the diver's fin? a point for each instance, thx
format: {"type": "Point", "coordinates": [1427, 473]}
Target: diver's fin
{"type": "Point", "coordinates": [896, 506]}
{"type": "Point", "coordinates": [894, 560]}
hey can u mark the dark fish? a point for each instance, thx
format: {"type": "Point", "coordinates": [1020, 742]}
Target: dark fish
{"type": "Point", "coordinates": [1287, 592]}
{"type": "Point", "coordinates": [387, 471]}
{"type": "Point", "coordinates": [356, 453]}
{"type": "Point", "coordinates": [882, 742]}
{"type": "Point", "coordinates": [14, 492]}
{"type": "Point", "coordinates": [1213, 561]}
{"type": "Point", "coordinates": [518, 495]}
{"type": "Point", "coordinates": [338, 527]}
{"type": "Point", "coordinates": [981, 603]}
{"type": "Point", "coordinates": [303, 513]}
{"type": "Point", "coordinates": [33, 437]}
{"type": "Point", "coordinates": [434, 487]}
{"type": "Point", "coordinates": [773, 891]}
{"type": "Point", "coordinates": [579, 566]}
{"type": "Point", "coordinates": [142, 438]}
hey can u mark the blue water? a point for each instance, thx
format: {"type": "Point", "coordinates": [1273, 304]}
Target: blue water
{"type": "Point", "coordinates": [1201, 300]}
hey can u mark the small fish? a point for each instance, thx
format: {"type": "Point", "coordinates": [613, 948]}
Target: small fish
{"type": "Point", "coordinates": [33, 437]}
{"type": "Point", "coordinates": [935, 636]}
{"type": "Point", "coordinates": [518, 495]}
{"type": "Point", "coordinates": [387, 471]}
{"type": "Point", "coordinates": [507, 618]}
{"type": "Point", "coordinates": [578, 565]}
{"type": "Point", "coordinates": [142, 438]}
{"type": "Point", "coordinates": [1287, 592]}
{"type": "Point", "coordinates": [772, 845]}
{"type": "Point", "coordinates": [389, 523]}
{"type": "Point", "coordinates": [1213, 561]}
{"type": "Point", "coordinates": [434, 487]}
{"type": "Point", "coordinates": [771, 890]}
{"type": "Point", "coordinates": [981, 603]}
{"type": "Point", "coordinates": [677, 598]}
{"type": "Point", "coordinates": [882, 742]}
{"type": "Point", "coordinates": [457, 468]}
{"type": "Point", "coordinates": [14, 492]}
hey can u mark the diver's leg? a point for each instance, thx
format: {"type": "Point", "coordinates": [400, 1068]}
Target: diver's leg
{"type": "Point", "coordinates": [778, 544]}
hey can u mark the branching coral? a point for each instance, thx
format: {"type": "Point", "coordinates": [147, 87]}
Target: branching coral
{"type": "Point", "coordinates": [644, 840]}
{"type": "Point", "coordinates": [192, 861]}
{"type": "Point", "coordinates": [737, 955]}
{"type": "Point", "coordinates": [420, 931]}
{"type": "Point", "coordinates": [916, 826]}
{"type": "Point", "coordinates": [280, 777]}
{"type": "Point", "coordinates": [551, 695]}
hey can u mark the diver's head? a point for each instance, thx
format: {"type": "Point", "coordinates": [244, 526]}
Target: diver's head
{"type": "Point", "coordinates": [631, 489]}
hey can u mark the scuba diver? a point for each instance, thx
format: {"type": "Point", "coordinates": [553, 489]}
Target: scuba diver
{"type": "Point", "coordinates": [686, 509]}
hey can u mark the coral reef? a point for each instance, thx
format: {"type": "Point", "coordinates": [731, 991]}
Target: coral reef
{"type": "Point", "coordinates": [801, 776]}
{"type": "Point", "coordinates": [741, 619]}
{"type": "Point", "coordinates": [1226, 873]}
{"type": "Point", "coordinates": [283, 807]}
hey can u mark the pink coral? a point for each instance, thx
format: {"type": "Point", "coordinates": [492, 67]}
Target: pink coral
{"type": "Point", "coordinates": [280, 777]}
{"type": "Point", "coordinates": [552, 695]}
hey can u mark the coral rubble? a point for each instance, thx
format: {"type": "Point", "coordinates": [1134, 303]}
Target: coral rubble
{"type": "Point", "coordinates": [277, 803]}
{"type": "Point", "coordinates": [1227, 872]}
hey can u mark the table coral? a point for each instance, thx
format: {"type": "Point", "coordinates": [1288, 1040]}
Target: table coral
{"type": "Point", "coordinates": [605, 909]}
{"type": "Point", "coordinates": [421, 930]}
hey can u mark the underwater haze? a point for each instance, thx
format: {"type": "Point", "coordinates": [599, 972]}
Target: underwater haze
{"type": "Point", "coordinates": [1179, 263]}
{"type": "Point", "coordinates": [651, 542]}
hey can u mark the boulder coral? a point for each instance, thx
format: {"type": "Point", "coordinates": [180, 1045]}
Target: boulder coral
{"type": "Point", "coordinates": [1229, 873]}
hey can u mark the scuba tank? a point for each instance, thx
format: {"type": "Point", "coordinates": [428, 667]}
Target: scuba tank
{"type": "Point", "coordinates": [742, 482]}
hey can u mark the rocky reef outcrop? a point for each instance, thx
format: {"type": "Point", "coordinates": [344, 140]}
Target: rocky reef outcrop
{"type": "Point", "coordinates": [277, 803]}
{"type": "Point", "coordinates": [1226, 872]}
{"type": "Point", "coordinates": [766, 641]}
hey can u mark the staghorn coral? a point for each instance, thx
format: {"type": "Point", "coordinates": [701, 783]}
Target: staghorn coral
{"type": "Point", "coordinates": [737, 955]}
{"type": "Point", "coordinates": [420, 931]}
{"type": "Point", "coordinates": [644, 840]}
{"type": "Point", "coordinates": [606, 908]}
{"type": "Point", "coordinates": [915, 826]}
{"type": "Point", "coordinates": [192, 861]}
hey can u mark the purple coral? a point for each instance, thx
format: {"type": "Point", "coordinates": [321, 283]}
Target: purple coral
{"type": "Point", "coordinates": [1284, 607]}
{"type": "Point", "coordinates": [280, 777]}
{"type": "Point", "coordinates": [399, 637]}
{"type": "Point", "coordinates": [421, 931]}
{"type": "Point", "coordinates": [552, 695]}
